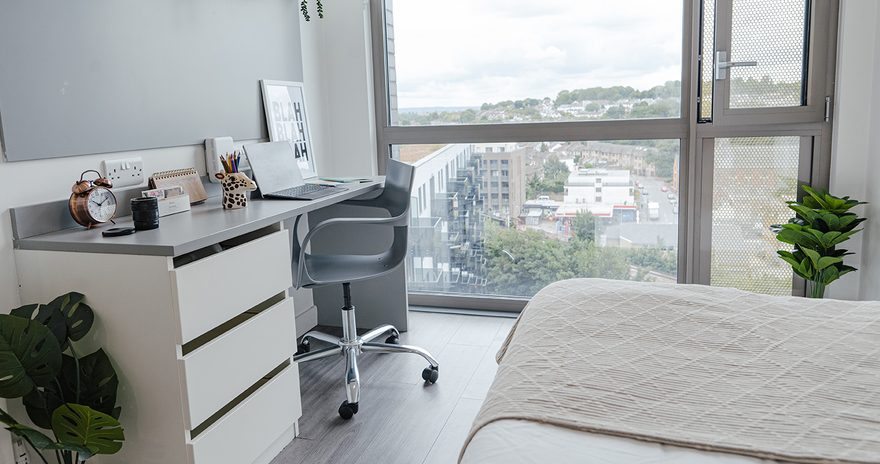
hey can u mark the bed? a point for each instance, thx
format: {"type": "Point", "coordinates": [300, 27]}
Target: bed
{"type": "Point", "coordinates": [613, 372]}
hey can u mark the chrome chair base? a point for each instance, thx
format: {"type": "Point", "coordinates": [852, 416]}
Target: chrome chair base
{"type": "Point", "coordinates": [350, 345]}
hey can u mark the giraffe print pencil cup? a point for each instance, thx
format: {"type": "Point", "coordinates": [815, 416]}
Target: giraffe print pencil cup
{"type": "Point", "coordinates": [235, 184]}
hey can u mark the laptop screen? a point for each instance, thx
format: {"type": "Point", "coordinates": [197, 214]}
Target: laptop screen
{"type": "Point", "coordinates": [274, 166]}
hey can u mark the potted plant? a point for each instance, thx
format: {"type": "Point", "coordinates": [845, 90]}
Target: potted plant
{"type": "Point", "coordinates": [822, 222]}
{"type": "Point", "coordinates": [73, 396]}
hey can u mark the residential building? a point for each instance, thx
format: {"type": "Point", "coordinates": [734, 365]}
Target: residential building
{"type": "Point", "coordinates": [504, 181]}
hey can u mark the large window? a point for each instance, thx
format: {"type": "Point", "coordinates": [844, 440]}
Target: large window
{"type": "Point", "coordinates": [649, 140]}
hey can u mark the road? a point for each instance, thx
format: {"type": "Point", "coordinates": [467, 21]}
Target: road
{"type": "Point", "coordinates": [653, 186]}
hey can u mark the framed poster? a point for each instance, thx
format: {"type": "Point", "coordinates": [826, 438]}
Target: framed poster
{"type": "Point", "coordinates": [286, 118]}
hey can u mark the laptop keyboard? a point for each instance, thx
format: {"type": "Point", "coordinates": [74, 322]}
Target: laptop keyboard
{"type": "Point", "coordinates": [301, 190]}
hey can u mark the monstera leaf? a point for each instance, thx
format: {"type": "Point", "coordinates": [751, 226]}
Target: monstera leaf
{"type": "Point", "coordinates": [40, 440]}
{"type": "Point", "coordinates": [47, 315]}
{"type": "Point", "coordinates": [78, 425]}
{"type": "Point", "coordinates": [40, 403]}
{"type": "Point", "coordinates": [98, 384]}
{"type": "Point", "coordinates": [66, 316]}
{"type": "Point", "coordinates": [78, 315]}
{"type": "Point", "coordinates": [29, 356]}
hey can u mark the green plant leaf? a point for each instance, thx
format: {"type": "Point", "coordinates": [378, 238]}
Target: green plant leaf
{"type": "Point", "coordinates": [816, 196]}
{"type": "Point", "coordinates": [797, 237]}
{"type": "Point", "coordinates": [826, 261]}
{"type": "Point", "coordinates": [75, 424]}
{"type": "Point", "coordinates": [844, 269]}
{"type": "Point", "coordinates": [98, 383]}
{"type": "Point", "coordinates": [804, 212]}
{"type": "Point", "coordinates": [814, 257]}
{"type": "Point", "coordinates": [41, 441]}
{"type": "Point", "coordinates": [830, 275]}
{"type": "Point", "coordinates": [39, 404]}
{"type": "Point", "coordinates": [819, 236]}
{"type": "Point", "coordinates": [832, 221]}
{"type": "Point", "coordinates": [78, 315]}
{"type": "Point", "coordinates": [804, 269]}
{"type": "Point", "coordinates": [789, 258]}
{"type": "Point", "coordinates": [29, 356]}
{"type": "Point", "coordinates": [37, 438]}
{"type": "Point", "coordinates": [48, 315]}
{"type": "Point", "coordinates": [844, 237]}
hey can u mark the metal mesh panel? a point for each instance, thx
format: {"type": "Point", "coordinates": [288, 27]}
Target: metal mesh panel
{"type": "Point", "coordinates": [770, 32]}
{"type": "Point", "coordinates": [708, 59]}
{"type": "Point", "coordinates": [754, 177]}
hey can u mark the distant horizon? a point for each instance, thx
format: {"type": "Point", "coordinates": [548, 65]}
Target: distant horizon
{"type": "Point", "coordinates": [433, 108]}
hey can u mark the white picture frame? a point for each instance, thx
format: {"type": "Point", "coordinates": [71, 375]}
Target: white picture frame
{"type": "Point", "coordinates": [287, 120]}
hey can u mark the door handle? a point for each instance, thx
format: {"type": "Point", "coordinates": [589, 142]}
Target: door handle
{"type": "Point", "coordinates": [722, 65]}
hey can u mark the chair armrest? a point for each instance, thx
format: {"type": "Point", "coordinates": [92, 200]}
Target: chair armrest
{"type": "Point", "coordinates": [389, 221]}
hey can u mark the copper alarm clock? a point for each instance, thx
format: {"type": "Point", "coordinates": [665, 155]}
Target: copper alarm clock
{"type": "Point", "coordinates": [92, 202]}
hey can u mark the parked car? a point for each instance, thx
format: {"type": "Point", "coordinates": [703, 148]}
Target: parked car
{"type": "Point", "coordinates": [664, 188]}
{"type": "Point", "coordinates": [671, 197]}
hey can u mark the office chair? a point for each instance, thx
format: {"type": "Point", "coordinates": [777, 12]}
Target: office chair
{"type": "Point", "coordinates": [314, 270]}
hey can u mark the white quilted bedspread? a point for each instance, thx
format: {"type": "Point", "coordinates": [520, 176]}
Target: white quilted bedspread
{"type": "Point", "coordinates": [710, 368]}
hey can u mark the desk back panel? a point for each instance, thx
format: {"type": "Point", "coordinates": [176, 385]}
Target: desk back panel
{"type": "Point", "coordinates": [97, 76]}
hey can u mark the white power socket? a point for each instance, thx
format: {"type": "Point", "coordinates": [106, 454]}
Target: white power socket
{"type": "Point", "coordinates": [124, 172]}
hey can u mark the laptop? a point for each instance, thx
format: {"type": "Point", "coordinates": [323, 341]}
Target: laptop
{"type": "Point", "coordinates": [277, 174]}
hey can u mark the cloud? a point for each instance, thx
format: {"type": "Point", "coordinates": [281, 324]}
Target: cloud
{"type": "Point", "coordinates": [466, 52]}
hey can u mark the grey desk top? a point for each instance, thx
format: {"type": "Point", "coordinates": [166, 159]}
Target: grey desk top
{"type": "Point", "coordinates": [185, 232]}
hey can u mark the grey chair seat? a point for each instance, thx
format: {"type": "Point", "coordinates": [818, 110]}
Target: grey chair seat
{"type": "Point", "coordinates": [326, 269]}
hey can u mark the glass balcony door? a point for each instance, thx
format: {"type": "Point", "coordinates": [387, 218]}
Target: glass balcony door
{"type": "Point", "coordinates": [763, 131]}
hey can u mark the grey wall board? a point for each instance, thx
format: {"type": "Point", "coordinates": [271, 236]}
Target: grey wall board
{"type": "Point", "coordinates": [97, 76]}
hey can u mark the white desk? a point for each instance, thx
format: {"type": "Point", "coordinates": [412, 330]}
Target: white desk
{"type": "Point", "coordinates": [203, 348]}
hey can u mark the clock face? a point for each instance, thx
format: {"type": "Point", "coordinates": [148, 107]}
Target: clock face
{"type": "Point", "coordinates": [102, 205]}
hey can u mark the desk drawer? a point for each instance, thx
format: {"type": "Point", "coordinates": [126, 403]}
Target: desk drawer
{"type": "Point", "coordinates": [215, 289]}
{"type": "Point", "coordinates": [222, 369]}
{"type": "Point", "coordinates": [244, 434]}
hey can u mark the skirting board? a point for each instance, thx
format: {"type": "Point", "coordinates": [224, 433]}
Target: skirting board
{"type": "Point", "coordinates": [307, 320]}
{"type": "Point", "coordinates": [279, 444]}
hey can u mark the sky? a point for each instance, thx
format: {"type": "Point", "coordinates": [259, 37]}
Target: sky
{"type": "Point", "coordinates": [467, 52]}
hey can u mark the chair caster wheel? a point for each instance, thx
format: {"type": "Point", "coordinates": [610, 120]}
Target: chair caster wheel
{"type": "Point", "coordinates": [393, 340]}
{"type": "Point", "coordinates": [303, 347]}
{"type": "Point", "coordinates": [347, 410]}
{"type": "Point", "coordinates": [431, 374]}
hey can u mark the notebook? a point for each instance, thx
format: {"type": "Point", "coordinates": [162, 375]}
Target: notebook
{"type": "Point", "coordinates": [188, 179]}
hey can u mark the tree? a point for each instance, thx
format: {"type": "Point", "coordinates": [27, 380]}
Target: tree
{"type": "Point", "coordinates": [583, 227]}
{"type": "Point", "coordinates": [468, 116]}
{"type": "Point", "coordinates": [554, 169]}
{"type": "Point", "coordinates": [520, 263]}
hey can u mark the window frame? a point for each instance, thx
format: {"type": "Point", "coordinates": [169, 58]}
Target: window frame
{"type": "Point", "coordinates": [694, 136]}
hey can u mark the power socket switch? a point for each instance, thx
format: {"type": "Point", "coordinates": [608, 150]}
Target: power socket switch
{"type": "Point", "coordinates": [124, 172]}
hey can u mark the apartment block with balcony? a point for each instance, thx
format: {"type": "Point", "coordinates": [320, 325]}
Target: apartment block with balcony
{"type": "Point", "coordinates": [502, 166]}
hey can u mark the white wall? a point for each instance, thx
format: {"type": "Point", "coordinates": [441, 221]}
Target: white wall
{"type": "Point", "coordinates": [337, 72]}
{"type": "Point", "coordinates": [335, 56]}
{"type": "Point", "coordinates": [855, 123]}
{"type": "Point", "coordinates": [870, 273]}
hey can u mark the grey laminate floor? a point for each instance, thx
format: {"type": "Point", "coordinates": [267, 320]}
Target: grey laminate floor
{"type": "Point", "coordinates": [401, 421]}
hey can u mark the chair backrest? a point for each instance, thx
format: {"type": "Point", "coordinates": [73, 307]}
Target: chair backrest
{"type": "Point", "coordinates": [395, 198]}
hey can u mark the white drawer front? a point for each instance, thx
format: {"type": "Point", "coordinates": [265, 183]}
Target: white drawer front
{"type": "Point", "coordinates": [225, 367]}
{"type": "Point", "coordinates": [245, 433]}
{"type": "Point", "coordinates": [215, 289]}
